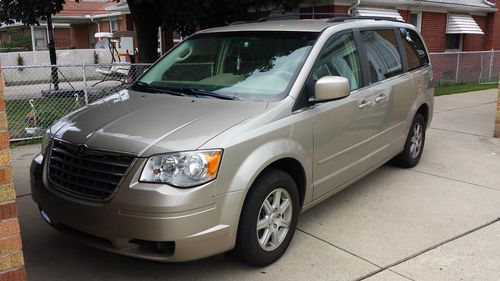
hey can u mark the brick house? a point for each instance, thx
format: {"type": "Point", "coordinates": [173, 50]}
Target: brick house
{"type": "Point", "coordinates": [76, 24]}
{"type": "Point", "coordinates": [447, 25]}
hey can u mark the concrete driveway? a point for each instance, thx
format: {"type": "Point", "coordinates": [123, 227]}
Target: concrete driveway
{"type": "Point", "coordinates": [438, 221]}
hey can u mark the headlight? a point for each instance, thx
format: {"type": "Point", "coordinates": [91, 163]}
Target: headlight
{"type": "Point", "coordinates": [182, 169]}
{"type": "Point", "coordinates": [45, 141]}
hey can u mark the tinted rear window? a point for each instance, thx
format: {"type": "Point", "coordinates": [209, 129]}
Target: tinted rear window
{"type": "Point", "coordinates": [414, 48]}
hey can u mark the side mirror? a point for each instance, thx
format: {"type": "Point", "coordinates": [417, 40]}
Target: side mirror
{"type": "Point", "coordinates": [331, 88]}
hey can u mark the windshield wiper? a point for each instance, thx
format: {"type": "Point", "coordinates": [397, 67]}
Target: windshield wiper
{"type": "Point", "coordinates": [149, 87]}
{"type": "Point", "coordinates": [200, 92]}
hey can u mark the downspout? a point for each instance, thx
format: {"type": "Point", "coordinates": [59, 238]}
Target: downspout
{"type": "Point", "coordinates": [33, 44]}
{"type": "Point", "coordinates": [354, 6]}
{"type": "Point", "coordinates": [490, 3]}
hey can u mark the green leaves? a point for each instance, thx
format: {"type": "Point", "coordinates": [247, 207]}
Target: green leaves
{"type": "Point", "coordinates": [28, 11]}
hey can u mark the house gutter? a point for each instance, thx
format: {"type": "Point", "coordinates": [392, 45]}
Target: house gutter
{"type": "Point", "coordinates": [463, 7]}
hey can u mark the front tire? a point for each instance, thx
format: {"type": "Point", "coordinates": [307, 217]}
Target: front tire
{"type": "Point", "coordinates": [268, 219]}
{"type": "Point", "coordinates": [414, 145]}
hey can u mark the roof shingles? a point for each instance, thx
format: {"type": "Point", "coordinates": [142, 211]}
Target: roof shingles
{"type": "Point", "coordinates": [72, 8]}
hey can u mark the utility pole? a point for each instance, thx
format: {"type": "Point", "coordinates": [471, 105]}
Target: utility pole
{"type": "Point", "coordinates": [52, 53]}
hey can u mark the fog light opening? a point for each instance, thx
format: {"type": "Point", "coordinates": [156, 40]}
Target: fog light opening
{"type": "Point", "coordinates": [156, 247]}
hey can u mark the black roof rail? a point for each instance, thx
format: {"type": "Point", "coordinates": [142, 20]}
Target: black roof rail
{"type": "Point", "coordinates": [341, 19]}
{"type": "Point", "coordinates": [289, 15]}
{"type": "Point", "coordinates": [239, 22]}
{"type": "Point", "coordinates": [332, 17]}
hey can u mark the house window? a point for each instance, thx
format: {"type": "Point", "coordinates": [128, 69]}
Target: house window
{"type": "Point", "coordinates": [114, 26]}
{"type": "Point", "coordinates": [454, 42]}
{"type": "Point", "coordinates": [40, 38]}
{"type": "Point", "coordinates": [416, 20]}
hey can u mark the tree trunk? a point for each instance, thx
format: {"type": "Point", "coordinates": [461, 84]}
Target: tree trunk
{"type": "Point", "coordinates": [146, 21]}
{"type": "Point", "coordinates": [52, 53]}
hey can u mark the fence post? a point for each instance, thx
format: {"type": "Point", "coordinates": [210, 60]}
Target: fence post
{"type": "Point", "coordinates": [491, 65]}
{"type": "Point", "coordinates": [85, 90]}
{"type": "Point", "coordinates": [456, 71]}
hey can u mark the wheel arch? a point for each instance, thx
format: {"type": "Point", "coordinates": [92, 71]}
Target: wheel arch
{"type": "Point", "coordinates": [424, 110]}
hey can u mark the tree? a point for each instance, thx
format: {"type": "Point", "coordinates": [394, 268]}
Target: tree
{"type": "Point", "coordinates": [31, 12]}
{"type": "Point", "coordinates": [185, 16]}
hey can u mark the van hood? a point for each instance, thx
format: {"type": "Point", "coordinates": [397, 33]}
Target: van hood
{"type": "Point", "coordinates": [144, 124]}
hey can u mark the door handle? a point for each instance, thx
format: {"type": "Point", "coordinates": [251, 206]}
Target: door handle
{"type": "Point", "coordinates": [365, 104]}
{"type": "Point", "coordinates": [380, 98]}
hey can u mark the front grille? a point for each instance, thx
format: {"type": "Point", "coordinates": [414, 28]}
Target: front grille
{"type": "Point", "coordinates": [87, 173]}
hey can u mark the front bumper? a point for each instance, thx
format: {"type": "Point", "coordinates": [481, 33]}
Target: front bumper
{"type": "Point", "coordinates": [144, 220]}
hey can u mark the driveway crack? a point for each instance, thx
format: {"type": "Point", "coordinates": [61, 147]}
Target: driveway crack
{"type": "Point", "coordinates": [465, 107]}
{"type": "Point", "coordinates": [338, 247]}
{"type": "Point", "coordinates": [453, 179]}
{"type": "Point", "coordinates": [387, 267]}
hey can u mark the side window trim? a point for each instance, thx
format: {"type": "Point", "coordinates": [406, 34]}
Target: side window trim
{"type": "Point", "coordinates": [363, 58]}
{"type": "Point", "coordinates": [401, 49]}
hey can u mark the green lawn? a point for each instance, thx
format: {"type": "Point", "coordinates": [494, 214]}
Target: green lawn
{"type": "Point", "coordinates": [48, 110]}
{"type": "Point", "coordinates": [462, 88]}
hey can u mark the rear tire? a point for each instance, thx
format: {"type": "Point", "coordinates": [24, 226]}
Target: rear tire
{"type": "Point", "coordinates": [268, 219]}
{"type": "Point", "coordinates": [414, 145]}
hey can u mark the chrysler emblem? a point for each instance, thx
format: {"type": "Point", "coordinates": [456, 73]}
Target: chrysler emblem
{"type": "Point", "coordinates": [81, 149]}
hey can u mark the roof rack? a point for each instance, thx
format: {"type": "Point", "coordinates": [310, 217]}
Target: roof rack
{"type": "Point", "coordinates": [289, 15]}
{"type": "Point", "coordinates": [352, 17]}
{"type": "Point", "coordinates": [332, 17]}
{"type": "Point", "coordinates": [239, 22]}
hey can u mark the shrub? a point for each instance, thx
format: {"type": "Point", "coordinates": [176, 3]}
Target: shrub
{"type": "Point", "coordinates": [20, 62]}
{"type": "Point", "coordinates": [96, 58]}
{"type": "Point", "coordinates": [45, 118]}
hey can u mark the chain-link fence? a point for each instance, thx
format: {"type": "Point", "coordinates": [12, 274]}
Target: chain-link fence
{"type": "Point", "coordinates": [466, 67]}
{"type": "Point", "coordinates": [34, 102]}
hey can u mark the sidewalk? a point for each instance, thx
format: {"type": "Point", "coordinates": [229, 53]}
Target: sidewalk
{"type": "Point", "coordinates": [438, 221]}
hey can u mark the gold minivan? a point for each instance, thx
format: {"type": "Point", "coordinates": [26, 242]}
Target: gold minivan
{"type": "Point", "coordinates": [227, 138]}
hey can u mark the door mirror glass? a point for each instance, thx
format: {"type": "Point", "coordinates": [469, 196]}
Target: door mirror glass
{"type": "Point", "coordinates": [331, 88]}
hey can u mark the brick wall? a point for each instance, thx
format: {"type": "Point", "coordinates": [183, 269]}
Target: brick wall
{"type": "Point", "coordinates": [62, 37]}
{"type": "Point", "coordinates": [122, 23]}
{"type": "Point", "coordinates": [11, 255]}
{"type": "Point", "coordinates": [497, 120]}
{"type": "Point", "coordinates": [476, 42]}
{"type": "Point", "coordinates": [79, 35]}
{"type": "Point", "coordinates": [340, 9]}
{"type": "Point", "coordinates": [493, 31]}
{"type": "Point", "coordinates": [434, 31]}
{"type": "Point", "coordinates": [5, 36]}
{"type": "Point", "coordinates": [104, 26]}
{"type": "Point", "coordinates": [405, 14]}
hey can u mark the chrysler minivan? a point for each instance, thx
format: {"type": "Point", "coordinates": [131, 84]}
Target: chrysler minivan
{"type": "Point", "coordinates": [226, 139]}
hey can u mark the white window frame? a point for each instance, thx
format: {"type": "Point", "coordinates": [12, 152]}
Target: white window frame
{"type": "Point", "coordinates": [419, 19]}
{"type": "Point", "coordinates": [40, 30]}
{"type": "Point", "coordinates": [111, 21]}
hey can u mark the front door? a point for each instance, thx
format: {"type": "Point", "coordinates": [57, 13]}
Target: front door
{"type": "Point", "coordinates": [346, 131]}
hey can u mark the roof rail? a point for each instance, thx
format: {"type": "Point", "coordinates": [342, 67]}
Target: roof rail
{"type": "Point", "coordinates": [289, 15]}
{"type": "Point", "coordinates": [341, 19]}
{"type": "Point", "coordinates": [239, 22]}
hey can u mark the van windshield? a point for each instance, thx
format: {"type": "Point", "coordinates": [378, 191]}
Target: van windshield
{"type": "Point", "coordinates": [259, 66]}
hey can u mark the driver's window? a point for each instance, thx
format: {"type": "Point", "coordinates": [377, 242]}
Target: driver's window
{"type": "Point", "coordinates": [339, 58]}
